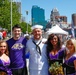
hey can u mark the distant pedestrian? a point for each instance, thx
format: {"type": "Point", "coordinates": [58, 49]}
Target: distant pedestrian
{"type": "Point", "coordinates": [4, 33]}
{"type": "Point", "coordinates": [1, 35]}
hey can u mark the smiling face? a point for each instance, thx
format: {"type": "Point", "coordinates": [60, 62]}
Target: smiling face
{"type": "Point", "coordinates": [17, 32]}
{"type": "Point", "coordinates": [37, 33]}
{"type": "Point", "coordinates": [3, 47]}
{"type": "Point", "coordinates": [70, 46]}
{"type": "Point", "coordinates": [54, 41]}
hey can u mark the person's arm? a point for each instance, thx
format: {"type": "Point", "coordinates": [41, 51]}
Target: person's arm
{"type": "Point", "coordinates": [27, 48]}
{"type": "Point", "coordinates": [75, 64]}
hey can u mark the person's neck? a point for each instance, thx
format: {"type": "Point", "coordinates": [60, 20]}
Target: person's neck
{"type": "Point", "coordinates": [71, 53]}
{"type": "Point", "coordinates": [55, 47]}
{"type": "Point", "coordinates": [16, 38]}
{"type": "Point", "coordinates": [1, 54]}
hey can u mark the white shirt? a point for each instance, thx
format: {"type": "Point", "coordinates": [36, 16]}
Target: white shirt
{"type": "Point", "coordinates": [37, 61]}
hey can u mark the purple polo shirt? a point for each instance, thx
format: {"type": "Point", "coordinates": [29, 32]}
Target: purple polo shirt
{"type": "Point", "coordinates": [17, 52]}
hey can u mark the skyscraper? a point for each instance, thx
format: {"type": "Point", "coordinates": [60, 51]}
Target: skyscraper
{"type": "Point", "coordinates": [54, 13]}
{"type": "Point", "coordinates": [56, 18]}
{"type": "Point", "coordinates": [38, 16]}
{"type": "Point", "coordinates": [74, 19]}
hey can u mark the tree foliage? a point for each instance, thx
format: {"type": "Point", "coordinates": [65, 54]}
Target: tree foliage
{"type": "Point", "coordinates": [24, 27]}
{"type": "Point", "coordinates": [5, 15]}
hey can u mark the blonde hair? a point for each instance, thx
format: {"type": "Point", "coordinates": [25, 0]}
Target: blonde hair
{"type": "Point", "coordinates": [73, 41]}
{"type": "Point", "coordinates": [2, 41]}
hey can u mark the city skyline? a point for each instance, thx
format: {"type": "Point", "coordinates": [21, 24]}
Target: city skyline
{"type": "Point", "coordinates": [65, 8]}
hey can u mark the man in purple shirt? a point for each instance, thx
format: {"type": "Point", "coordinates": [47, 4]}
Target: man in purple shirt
{"type": "Point", "coordinates": [17, 45]}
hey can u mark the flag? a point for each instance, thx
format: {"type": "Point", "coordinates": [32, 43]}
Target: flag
{"type": "Point", "coordinates": [72, 30]}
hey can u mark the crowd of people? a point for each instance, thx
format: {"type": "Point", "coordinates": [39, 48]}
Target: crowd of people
{"type": "Point", "coordinates": [46, 56]}
{"type": "Point", "coordinates": [3, 34]}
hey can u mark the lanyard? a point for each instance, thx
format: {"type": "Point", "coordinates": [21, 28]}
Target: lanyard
{"type": "Point", "coordinates": [37, 47]}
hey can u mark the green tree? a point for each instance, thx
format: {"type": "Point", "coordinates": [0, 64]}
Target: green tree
{"type": "Point", "coordinates": [24, 27]}
{"type": "Point", "coordinates": [5, 14]}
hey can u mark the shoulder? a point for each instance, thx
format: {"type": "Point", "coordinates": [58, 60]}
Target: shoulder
{"type": "Point", "coordinates": [63, 46]}
{"type": "Point", "coordinates": [24, 39]}
{"type": "Point", "coordinates": [63, 49]}
{"type": "Point", "coordinates": [62, 52]}
{"type": "Point", "coordinates": [9, 40]}
{"type": "Point", "coordinates": [44, 40]}
{"type": "Point", "coordinates": [29, 41]}
{"type": "Point", "coordinates": [74, 55]}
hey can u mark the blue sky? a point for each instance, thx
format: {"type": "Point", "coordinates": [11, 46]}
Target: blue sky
{"type": "Point", "coordinates": [65, 7]}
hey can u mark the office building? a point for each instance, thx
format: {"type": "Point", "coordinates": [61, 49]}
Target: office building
{"type": "Point", "coordinates": [54, 13]}
{"type": "Point", "coordinates": [61, 19]}
{"type": "Point", "coordinates": [38, 16]}
{"type": "Point", "coordinates": [74, 19]}
{"type": "Point", "coordinates": [55, 16]}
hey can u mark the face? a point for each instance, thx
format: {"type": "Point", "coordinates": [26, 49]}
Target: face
{"type": "Point", "coordinates": [70, 45]}
{"type": "Point", "coordinates": [3, 47]}
{"type": "Point", "coordinates": [54, 41]}
{"type": "Point", "coordinates": [37, 33]}
{"type": "Point", "coordinates": [17, 32]}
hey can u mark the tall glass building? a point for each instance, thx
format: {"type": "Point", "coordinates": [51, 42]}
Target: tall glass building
{"type": "Point", "coordinates": [38, 16]}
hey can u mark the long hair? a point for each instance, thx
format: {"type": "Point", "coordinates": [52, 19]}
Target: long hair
{"type": "Point", "coordinates": [49, 44]}
{"type": "Point", "coordinates": [73, 41]}
{"type": "Point", "coordinates": [6, 51]}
